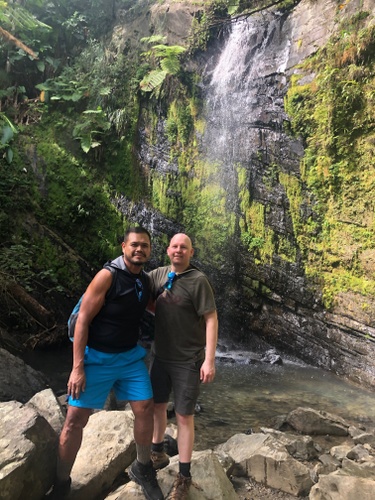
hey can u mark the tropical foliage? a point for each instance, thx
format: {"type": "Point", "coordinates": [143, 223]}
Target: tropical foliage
{"type": "Point", "coordinates": [334, 114]}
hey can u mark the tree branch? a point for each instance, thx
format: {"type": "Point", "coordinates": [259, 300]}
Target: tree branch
{"type": "Point", "coordinates": [12, 39]}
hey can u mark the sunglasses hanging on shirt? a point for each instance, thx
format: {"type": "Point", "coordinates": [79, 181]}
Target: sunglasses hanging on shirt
{"type": "Point", "coordinates": [171, 277]}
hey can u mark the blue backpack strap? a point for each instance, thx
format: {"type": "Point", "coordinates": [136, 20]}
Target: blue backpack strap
{"type": "Point", "coordinates": [73, 319]}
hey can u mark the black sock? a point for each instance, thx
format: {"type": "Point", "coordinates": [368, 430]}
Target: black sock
{"type": "Point", "coordinates": [184, 468]}
{"type": "Point", "coordinates": [157, 446]}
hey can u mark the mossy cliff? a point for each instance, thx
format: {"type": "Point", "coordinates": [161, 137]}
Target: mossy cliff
{"type": "Point", "coordinates": [292, 254]}
{"type": "Point", "coordinates": [281, 211]}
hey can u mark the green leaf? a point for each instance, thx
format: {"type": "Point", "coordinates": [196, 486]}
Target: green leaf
{"type": "Point", "coordinates": [164, 50]}
{"type": "Point", "coordinates": [170, 65]}
{"type": "Point", "coordinates": [93, 112]}
{"type": "Point", "coordinates": [9, 155]}
{"type": "Point", "coordinates": [232, 9]}
{"type": "Point", "coordinates": [41, 66]}
{"type": "Point", "coordinates": [154, 79]}
{"type": "Point", "coordinates": [7, 134]}
{"type": "Point", "coordinates": [76, 96]}
{"type": "Point", "coordinates": [154, 39]}
{"type": "Point", "coordinates": [86, 143]}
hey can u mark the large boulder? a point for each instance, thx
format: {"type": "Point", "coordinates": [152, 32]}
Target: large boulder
{"type": "Point", "coordinates": [107, 449]}
{"type": "Point", "coordinates": [27, 452]}
{"type": "Point", "coordinates": [18, 381]}
{"type": "Point", "coordinates": [310, 421]}
{"type": "Point", "coordinates": [209, 480]}
{"type": "Point", "coordinates": [265, 459]}
{"type": "Point", "coordinates": [47, 405]}
{"type": "Point", "coordinates": [300, 447]}
{"type": "Point", "coordinates": [338, 487]}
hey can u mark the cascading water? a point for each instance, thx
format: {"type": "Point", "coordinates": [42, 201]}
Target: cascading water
{"type": "Point", "coordinates": [244, 89]}
{"type": "Point", "coordinates": [244, 98]}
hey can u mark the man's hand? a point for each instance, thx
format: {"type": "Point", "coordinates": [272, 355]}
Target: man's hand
{"type": "Point", "coordinates": [207, 372]}
{"type": "Point", "coordinates": [76, 382]}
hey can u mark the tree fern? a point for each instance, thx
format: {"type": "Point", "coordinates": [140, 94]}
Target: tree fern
{"type": "Point", "coordinates": [153, 80]}
{"type": "Point", "coordinates": [167, 60]}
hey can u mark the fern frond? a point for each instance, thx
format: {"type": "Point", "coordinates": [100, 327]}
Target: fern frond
{"type": "Point", "coordinates": [170, 65]}
{"type": "Point", "coordinates": [153, 80]}
{"type": "Point", "coordinates": [153, 39]}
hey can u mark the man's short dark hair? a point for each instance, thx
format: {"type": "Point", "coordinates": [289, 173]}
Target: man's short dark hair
{"type": "Point", "coordinates": [138, 230]}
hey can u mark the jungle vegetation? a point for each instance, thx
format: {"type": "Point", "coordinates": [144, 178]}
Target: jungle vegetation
{"type": "Point", "coordinates": [72, 97]}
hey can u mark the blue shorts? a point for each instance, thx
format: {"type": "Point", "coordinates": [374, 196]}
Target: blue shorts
{"type": "Point", "coordinates": [125, 372]}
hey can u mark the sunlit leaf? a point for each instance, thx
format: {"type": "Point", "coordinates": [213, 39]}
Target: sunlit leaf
{"type": "Point", "coordinates": [7, 134]}
{"type": "Point", "coordinates": [9, 155]}
{"type": "Point", "coordinates": [154, 79]}
{"type": "Point", "coordinates": [86, 143]}
{"type": "Point", "coordinates": [170, 65]}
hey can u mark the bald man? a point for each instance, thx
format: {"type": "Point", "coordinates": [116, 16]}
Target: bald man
{"type": "Point", "coordinates": [183, 353]}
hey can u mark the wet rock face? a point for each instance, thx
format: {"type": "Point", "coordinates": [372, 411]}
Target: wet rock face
{"type": "Point", "coordinates": [243, 93]}
{"type": "Point", "coordinates": [245, 89]}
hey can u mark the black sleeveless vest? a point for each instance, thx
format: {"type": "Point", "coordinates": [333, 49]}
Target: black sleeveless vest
{"type": "Point", "coordinates": [116, 327]}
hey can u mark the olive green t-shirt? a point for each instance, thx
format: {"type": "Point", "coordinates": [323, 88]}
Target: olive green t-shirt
{"type": "Point", "coordinates": [180, 327]}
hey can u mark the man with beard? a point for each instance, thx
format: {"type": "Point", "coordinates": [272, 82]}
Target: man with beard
{"type": "Point", "coordinates": [106, 355]}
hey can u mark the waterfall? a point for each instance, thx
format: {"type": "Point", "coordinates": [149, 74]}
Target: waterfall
{"type": "Point", "coordinates": [244, 98]}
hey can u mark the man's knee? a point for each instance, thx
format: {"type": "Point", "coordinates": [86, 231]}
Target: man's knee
{"type": "Point", "coordinates": [76, 419]}
{"type": "Point", "coordinates": [143, 408]}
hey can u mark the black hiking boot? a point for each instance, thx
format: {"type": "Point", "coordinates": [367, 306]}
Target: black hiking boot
{"type": "Point", "coordinates": [145, 476]}
{"type": "Point", "coordinates": [60, 490]}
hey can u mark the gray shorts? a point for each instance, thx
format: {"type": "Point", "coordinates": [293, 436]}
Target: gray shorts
{"type": "Point", "coordinates": [181, 378]}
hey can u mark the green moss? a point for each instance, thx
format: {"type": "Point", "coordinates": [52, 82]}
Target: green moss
{"type": "Point", "coordinates": [334, 115]}
{"type": "Point", "coordinates": [293, 189]}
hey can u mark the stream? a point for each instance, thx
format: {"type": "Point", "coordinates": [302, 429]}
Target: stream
{"type": "Point", "coordinates": [246, 394]}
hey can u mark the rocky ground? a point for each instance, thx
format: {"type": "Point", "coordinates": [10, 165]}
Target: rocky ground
{"type": "Point", "coordinates": [247, 489]}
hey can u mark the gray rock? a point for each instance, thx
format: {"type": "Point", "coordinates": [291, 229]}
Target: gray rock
{"type": "Point", "coordinates": [108, 448]}
{"type": "Point", "coordinates": [310, 421]}
{"type": "Point", "coordinates": [18, 381]}
{"type": "Point", "coordinates": [266, 460]}
{"type": "Point", "coordinates": [327, 464]}
{"type": "Point", "coordinates": [340, 452]}
{"type": "Point", "coordinates": [27, 453]}
{"type": "Point", "coordinates": [300, 447]}
{"type": "Point", "coordinates": [363, 469]}
{"type": "Point", "coordinates": [338, 487]}
{"type": "Point", "coordinates": [358, 453]}
{"type": "Point", "coordinates": [47, 405]}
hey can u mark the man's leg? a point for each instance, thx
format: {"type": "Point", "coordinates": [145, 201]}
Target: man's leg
{"type": "Point", "coordinates": [185, 437]}
{"type": "Point", "coordinates": [160, 422]}
{"type": "Point", "coordinates": [69, 444]}
{"type": "Point", "coordinates": [70, 440]}
{"type": "Point", "coordinates": [158, 456]}
{"type": "Point", "coordinates": [143, 427]}
{"type": "Point", "coordinates": [142, 471]}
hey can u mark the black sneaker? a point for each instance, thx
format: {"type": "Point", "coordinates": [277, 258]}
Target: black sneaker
{"type": "Point", "coordinates": [145, 476]}
{"type": "Point", "coordinates": [60, 490]}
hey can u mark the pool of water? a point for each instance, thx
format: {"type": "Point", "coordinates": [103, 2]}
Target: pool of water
{"type": "Point", "coordinates": [250, 395]}
{"type": "Point", "coordinates": [246, 394]}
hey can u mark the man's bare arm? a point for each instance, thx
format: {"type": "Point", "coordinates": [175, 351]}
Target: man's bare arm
{"type": "Point", "coordinates": [208, 367]}
{"type": "Point", "coordinates": [93, 300]}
